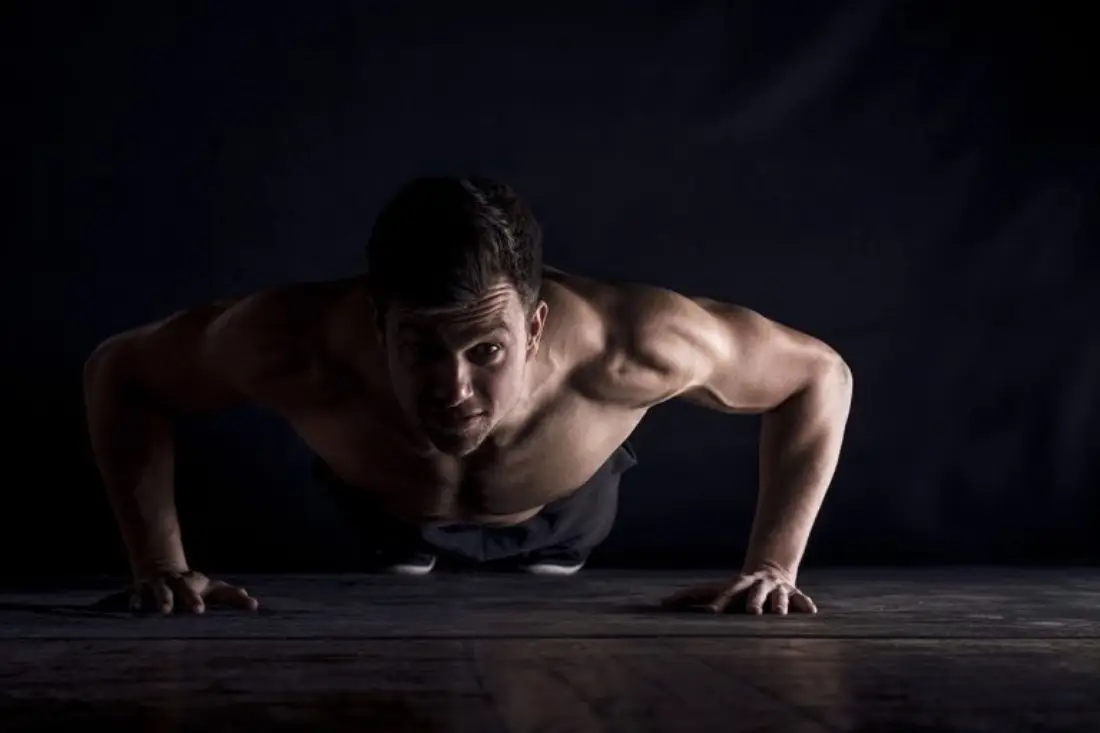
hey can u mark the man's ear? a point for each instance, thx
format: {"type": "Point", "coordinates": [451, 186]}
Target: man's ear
{"type": "Point", "coordinates": [377, 319]}
{"type": "Point", "coordinates": [535, 327]}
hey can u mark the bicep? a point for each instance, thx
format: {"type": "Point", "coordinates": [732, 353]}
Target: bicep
{"type": "Point", "coordinates": [764, 362]}
{"type": "Point", "coordinates": [730, 358]}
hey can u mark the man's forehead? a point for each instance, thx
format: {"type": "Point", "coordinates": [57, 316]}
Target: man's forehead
{"type": "Point", "coordinates": [436, 324]}
{"type": "Point", "coordinates": [480, 318]}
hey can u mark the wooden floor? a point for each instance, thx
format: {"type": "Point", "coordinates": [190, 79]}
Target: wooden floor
{"type": "Point", "coordinates": [894, 651]}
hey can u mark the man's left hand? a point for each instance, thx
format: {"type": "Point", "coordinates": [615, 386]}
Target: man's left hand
{"type": "Point", "coordinates": [766, 590]}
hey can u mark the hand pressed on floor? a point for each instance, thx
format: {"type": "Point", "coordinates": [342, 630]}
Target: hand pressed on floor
{"type": "Point", "coordinates": [763, 591]}
{"type": "Point", "coordinates": [187, 592]}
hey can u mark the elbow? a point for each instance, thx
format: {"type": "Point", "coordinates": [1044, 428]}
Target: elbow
{"type": "Point", "coordinates": [838, 381]}
{"type": "Point", "coordinates": [842, 373]}
{"type": "Point", "coordinates": [103, 360]}
{"type": "Point", "coordinates": [826, 387]}
{"type": "Point", "coordinates": [831, 378]}
{"type": "Point", "coordinates": [101, 355]}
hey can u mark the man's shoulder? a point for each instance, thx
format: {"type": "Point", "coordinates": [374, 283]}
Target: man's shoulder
{"type": "Point", "coordinates": [279, 329]}
{"type": "Point", "coordinates": [293, 302]}
{"type": "Point", "coordinates": [643, 343]}
{"type": "Point", "coordinates": [630, 313]}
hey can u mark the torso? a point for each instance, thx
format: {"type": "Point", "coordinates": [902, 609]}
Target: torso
{"type": "Point", "coordinates": [338, 401]}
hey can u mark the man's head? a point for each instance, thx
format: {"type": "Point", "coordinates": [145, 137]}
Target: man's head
{"type": "Point", "coordinates": [456, 270]}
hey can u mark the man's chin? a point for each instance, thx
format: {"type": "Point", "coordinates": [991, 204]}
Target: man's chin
{"type": "Point", "coordinates": [455, 444]}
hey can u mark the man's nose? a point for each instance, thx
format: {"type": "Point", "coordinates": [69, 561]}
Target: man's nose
{"type": "Point", "coordinates": [452, 385]}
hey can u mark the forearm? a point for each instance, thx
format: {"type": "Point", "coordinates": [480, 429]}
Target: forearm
{"type": "Point", "coordinates": [134, 449]}
{"type": "Point", "coordinates": [800, 446]}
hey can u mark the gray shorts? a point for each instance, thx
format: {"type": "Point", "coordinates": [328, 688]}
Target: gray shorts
{"type": "Point", "coordinates": [579, 522]}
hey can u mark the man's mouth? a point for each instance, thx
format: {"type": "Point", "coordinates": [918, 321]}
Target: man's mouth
{"type": "Point", "coordinates": [455, 421]}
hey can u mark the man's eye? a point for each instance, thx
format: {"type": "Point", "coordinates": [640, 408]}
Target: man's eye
{"type": "Point", "coordinates": [484, 352]}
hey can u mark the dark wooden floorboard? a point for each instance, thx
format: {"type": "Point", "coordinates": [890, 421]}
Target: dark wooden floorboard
{"type": "Point", "coordinates": [906, 650]}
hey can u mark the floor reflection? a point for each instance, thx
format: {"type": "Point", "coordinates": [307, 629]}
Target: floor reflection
{"type": "Point", "coordinates": [485, 685]}
{"type": "Point", "coordinates": [898, 652]}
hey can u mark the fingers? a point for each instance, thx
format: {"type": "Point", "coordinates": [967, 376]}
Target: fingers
{"type": "Point", "coordinates": [162, 597]}
{"type": "Point", "coordinates": [719, 604]}
{"type": "Point", "coordinates": [186, 596]}
{"type": "Point", "coordinates": [759, 592]}
{"type": "Point", "coordinates": [779, 601]}
{"type": "Point", "coordinates": [225, 594]}
{"type": "Point", "coordinates": [186, 592]}
{"type": "Point", "coordinates": [802, 603]}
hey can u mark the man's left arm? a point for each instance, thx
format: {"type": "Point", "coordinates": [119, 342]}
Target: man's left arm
{"type": "Point", "coordinates": [733, 359]}
{"type": "Point", "coordinates": [800, 444]}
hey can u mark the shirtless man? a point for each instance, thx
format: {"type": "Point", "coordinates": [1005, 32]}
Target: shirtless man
{"type": "Point", "coordinates": [465, 401]}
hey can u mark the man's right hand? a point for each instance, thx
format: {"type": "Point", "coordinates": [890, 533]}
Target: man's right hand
{"type": "Point", "coordinates": [188, 592]}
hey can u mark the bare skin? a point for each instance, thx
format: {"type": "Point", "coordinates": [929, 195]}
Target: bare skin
{"type": "Point", "coordinates": [481, 415]}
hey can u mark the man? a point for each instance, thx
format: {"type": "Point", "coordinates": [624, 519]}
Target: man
{"type": "Point", "coordinates": [466, 401]}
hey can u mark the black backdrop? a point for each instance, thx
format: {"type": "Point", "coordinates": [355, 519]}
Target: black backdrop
{"type": "Point", "coordinates": [916, 183]}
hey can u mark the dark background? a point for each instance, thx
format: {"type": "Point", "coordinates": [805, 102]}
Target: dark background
{"type": "Point", "coordinates": [915, 183]}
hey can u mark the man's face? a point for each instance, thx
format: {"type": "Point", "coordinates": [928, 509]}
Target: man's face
{"type": "Point", "coordinates": [458, 372]}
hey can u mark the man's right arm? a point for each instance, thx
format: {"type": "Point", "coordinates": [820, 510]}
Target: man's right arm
{"type": "Point", "coordinates": [136, 384]}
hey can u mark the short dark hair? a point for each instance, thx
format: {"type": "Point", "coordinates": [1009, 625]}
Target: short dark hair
{"type": "Point", "coordinates": [444, 241]}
